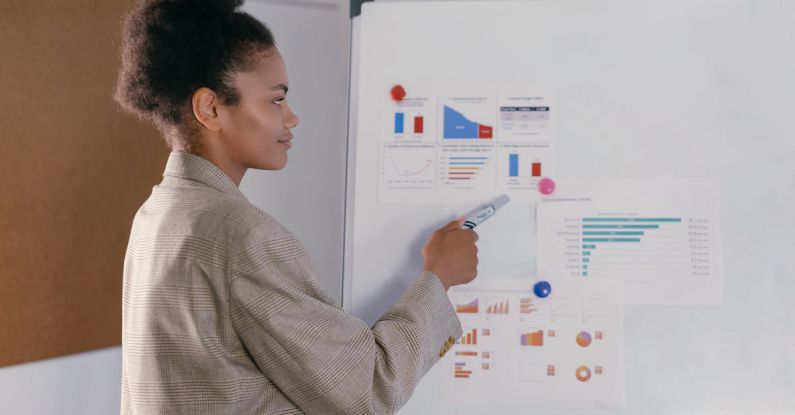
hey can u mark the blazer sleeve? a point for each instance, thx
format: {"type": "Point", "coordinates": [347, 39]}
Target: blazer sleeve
{"type": "Point", "coordinates": [322, 358]}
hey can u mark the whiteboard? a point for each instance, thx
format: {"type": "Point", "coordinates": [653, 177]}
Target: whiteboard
{"type": "Point", "coordinates": [645, 89]}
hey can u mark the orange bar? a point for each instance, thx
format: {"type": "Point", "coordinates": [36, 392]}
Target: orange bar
{"type": "Point", "coordinates": [475, 336]}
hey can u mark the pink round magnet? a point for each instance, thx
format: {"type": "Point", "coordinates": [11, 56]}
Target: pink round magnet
{"type": "Point", "coordinates": [546, 186]}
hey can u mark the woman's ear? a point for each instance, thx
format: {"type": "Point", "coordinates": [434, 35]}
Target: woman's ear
{"type": "Point", "coordinates": [205, 108]}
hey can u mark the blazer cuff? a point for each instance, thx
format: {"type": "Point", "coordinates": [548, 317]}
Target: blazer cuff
{"type": "Point", "coordinates": [443, 325]}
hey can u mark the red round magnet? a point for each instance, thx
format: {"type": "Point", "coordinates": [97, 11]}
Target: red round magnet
{"type": "Point", "coordinates": [398, 93]}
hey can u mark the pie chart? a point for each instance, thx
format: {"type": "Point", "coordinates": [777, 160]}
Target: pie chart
{"type": "Point", "coordinates": [583, 374]}
{"type": "Point", "coordinates": [584, 339]}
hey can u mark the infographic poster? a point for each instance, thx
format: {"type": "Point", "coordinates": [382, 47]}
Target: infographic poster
{"type": "Point", "coordinates": [518, 349]}
{"type": "Point", "coordinates": [460, 144]}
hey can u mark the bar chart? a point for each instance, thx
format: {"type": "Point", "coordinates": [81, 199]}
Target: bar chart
{"type": "Point", "coordinates": [657, 236]}
{"type": "Point", "coordinates": [418, 124]}
{"type": "Point", "coordinates": [466, 167]}
{"type": "Point", "coordinates": [638, 247]}
{"type": "Point", "coordinates": [411, 119]}
{"type": "Point", "coordinates": [522, 165]}
{"type": "Point", "coordinates": [499, 306]}
{"type": "Point", "coordinates": [469, 338]}
{"type": "Point", "coordinates": [534, 338]}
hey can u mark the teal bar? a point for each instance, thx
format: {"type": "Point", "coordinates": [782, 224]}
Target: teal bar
{"type": "Point", "coordinates": [586, 260]}
{"type": "Point", "coordinates": [584, 274]}
{"type": "Point", "coordinates": [638, 233]}
{"type": "Point", "coordinates": [585, 266]}
{"type": "Point", "coordinates": [586, 252]}
{"type": "Point", "coordinates": [621, 226]}
{"type": "Point", "coordinates": [611, 239]}
{"type": "Point", "coordinates": [631, 219]}
{"type": "Point", "coordinates": [589, 247]}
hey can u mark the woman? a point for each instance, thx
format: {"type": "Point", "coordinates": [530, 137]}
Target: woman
{"type": "Point", "coordinates": [222, 311]}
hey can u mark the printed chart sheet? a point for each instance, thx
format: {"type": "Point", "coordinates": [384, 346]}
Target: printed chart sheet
{"type": "Point", "coordinates": [461, 144]}
{"type": "Point", "coordinates": [564, 350]}
{"type": "Point", "coordinates": [661, 237]}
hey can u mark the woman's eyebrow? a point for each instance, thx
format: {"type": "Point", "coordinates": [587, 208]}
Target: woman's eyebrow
{"type": "Point", "coordinates": [283, 87]}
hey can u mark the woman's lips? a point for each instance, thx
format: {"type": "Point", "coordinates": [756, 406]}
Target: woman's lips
{"type": "Point", "coordinates": [287, 142]}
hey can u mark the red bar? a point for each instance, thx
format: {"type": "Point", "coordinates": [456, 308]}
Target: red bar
{"type": "Point", "coordinates": [536, 169]}
{"type": "Point", "coordinates": [475, 336]}
{"type": "Point", "coordinates": [418, 124]}
{"type": "Point", "coordinates": [485, 131]}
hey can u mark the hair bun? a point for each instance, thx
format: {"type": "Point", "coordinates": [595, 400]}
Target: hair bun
{"type": "Point", "coordinates": [172, 47]}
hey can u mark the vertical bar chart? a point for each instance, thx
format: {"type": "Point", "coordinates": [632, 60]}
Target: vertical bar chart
{"type": "Point", "coordinates": [499, 307]}
{"type": "Point", "coordinates": [523, 165]}
{"type": "Point", "coordinates": [470, 338]}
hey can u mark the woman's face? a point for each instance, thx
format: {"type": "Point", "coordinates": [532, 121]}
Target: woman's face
{"type": "Point", "coordinates": [256, 131]}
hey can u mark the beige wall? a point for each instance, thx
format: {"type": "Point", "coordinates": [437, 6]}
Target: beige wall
{"type": "Point", "coordinates": [73, 171]}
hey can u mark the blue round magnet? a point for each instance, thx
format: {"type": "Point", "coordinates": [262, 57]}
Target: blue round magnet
{"type": "Point", "coordinates": [542, 289]}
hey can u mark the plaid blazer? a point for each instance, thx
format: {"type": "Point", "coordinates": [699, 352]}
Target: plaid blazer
{"type": "Point", "coordinates": [223, 314]}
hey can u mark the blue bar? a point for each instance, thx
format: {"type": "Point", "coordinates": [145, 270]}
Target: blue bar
{"type": "Point", "coordinates": [611, 239]}
{"type": "Point", "coordinates": [468, 158]}
{"type": "Point", "coordinates": [586, 252]}
{"type": "Point", "coordinates": [463, 163]}
{"type": "Point", "coordinates": [631, 219]}
{"type": "Point", "coordinates": [621, 226]}
{"type": "Point", "coordinates": [513, 161]}
{"type": "Point", "coordinates": [589, 247]}
{"type": "Point", "coordinates": [398, 123]}
{"type": "Point", "coordinates": [637, 233]}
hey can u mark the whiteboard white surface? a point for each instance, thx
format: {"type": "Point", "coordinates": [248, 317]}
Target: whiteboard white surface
{"type": "Point", "coordinates": [644, 89]}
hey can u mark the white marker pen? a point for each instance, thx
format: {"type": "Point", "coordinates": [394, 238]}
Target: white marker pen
{"type": "Point", "coordinates": [477, 216]}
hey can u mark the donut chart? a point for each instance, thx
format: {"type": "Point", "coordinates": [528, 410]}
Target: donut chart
{"type": "Point", "coordinates": [583, 374]}
{"type": "Point", "coordinates": [584, 339]}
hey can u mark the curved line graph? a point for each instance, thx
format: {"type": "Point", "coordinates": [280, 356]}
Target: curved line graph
{"type": "Point", "coordinates": [406, 173]}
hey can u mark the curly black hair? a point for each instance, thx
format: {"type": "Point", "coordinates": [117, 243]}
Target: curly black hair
{"type": "Point", "coordinates": [171, 48]}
